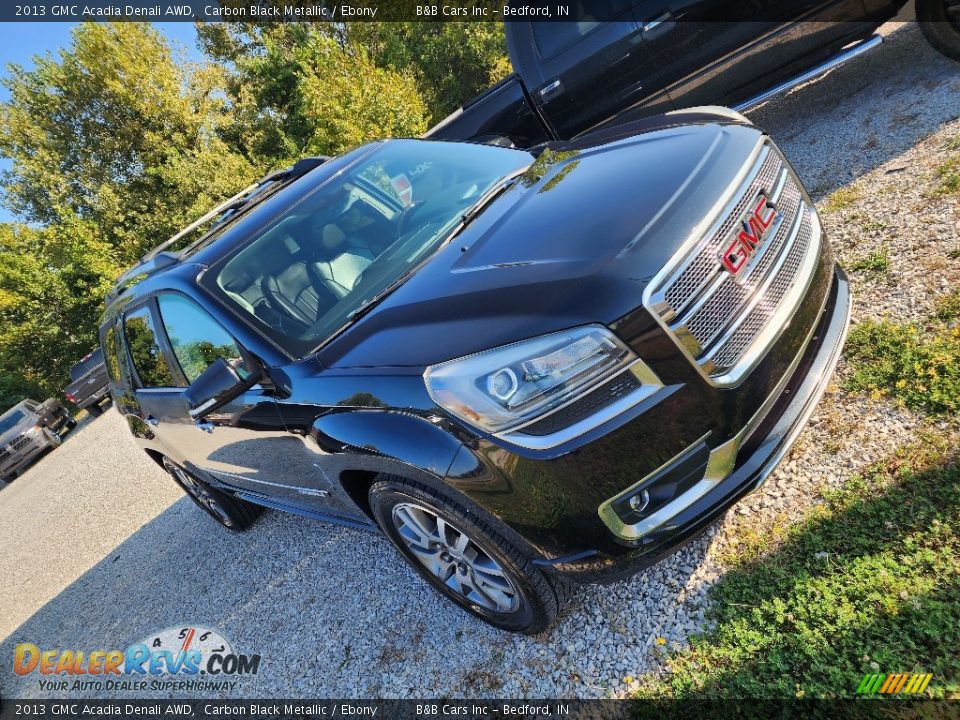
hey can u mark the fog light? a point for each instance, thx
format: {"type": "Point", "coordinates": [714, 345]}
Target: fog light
{"type": "Point", "coordinates": [639, 501]}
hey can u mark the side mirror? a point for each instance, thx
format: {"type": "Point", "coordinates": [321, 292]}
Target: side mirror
{"type": "Point", "coordinates": [216, 386]}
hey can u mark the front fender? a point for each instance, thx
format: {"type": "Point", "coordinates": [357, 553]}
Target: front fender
{"type": "Point", "coordinates": [385, 441]}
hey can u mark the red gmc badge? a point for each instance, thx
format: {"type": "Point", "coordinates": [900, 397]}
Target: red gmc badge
{"type": "Point", "coordinates": [756, 228]}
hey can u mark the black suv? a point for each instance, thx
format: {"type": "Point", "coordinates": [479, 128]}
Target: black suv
{"type": "Point", "coordinates": [525, 367]}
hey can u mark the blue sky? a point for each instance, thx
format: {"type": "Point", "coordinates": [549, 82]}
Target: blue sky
{"type": "Point", "coordinates": [20, 42]}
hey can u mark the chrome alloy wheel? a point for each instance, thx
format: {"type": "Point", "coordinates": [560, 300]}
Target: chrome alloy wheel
{"type": "Point", "coordinates": [200, 493]}
{"type": "Point", "coordinates": [452, 556]}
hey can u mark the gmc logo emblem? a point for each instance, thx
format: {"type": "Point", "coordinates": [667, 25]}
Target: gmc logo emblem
{"type": "Point", "coordinates": [756, 228]}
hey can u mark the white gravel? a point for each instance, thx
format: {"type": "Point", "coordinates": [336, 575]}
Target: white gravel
{"type": "Point", "coordinates": [101, 548]}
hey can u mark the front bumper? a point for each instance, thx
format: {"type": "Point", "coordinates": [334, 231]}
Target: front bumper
{"type": "Point", "coordinates": [19, 461]}
{"type": "Point", "coordinates": [759, 454]}
{"type": "Point", "coordinates": [555, 504]}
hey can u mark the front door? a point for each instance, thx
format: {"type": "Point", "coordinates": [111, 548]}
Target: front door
{"type": "Point", "coordinates": [244, 444]}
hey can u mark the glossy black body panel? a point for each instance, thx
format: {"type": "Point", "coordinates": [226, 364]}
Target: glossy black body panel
{"type": "Point", "coordinates": [575, 242]}
{"type": "Point", "coordinates": [651, 56]}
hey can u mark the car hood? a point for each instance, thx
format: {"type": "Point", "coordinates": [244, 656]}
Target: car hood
{"type": "Point", "coordinates": [574, 242]}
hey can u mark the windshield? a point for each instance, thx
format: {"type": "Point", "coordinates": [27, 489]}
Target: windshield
{"type": "Point", "coordinates": [304, 276]}
{"type": "Point", "coordinates": [10, 419]}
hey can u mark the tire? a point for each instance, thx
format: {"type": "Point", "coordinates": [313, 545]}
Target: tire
{"type": "Point", "coordinates": [940, 24]}
{"type": "Point", "coordinates": [231, 512]}
{"type": "Point", "coordinates": [95, 410]}
{"type": "Point", "coordinates": [509, 591]}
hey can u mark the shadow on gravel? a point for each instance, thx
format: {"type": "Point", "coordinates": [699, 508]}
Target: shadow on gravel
{"type": "Point", "coordinates": [868, 585]}
{"type": "Point", "coordinates": [864, 113]}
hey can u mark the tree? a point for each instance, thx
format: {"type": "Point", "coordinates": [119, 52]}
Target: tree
{"type": "Point", "coordinates": [52, 286]}
{"type": "Point", "coordinates": [451, 61]}
{"type": "Point", "coordinates": [302, 88]}
{"type": "Point", "coordinates": [115, 132]}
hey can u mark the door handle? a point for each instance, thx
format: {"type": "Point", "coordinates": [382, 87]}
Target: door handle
{"type": "Point", "coordinates": [151, 420]}
{"type": "Point", "coordinates": [651, 25]}
{"type": "Point", "coordinates": [551, 91]}
{"type": "Point", "coordinates": [205, 426]}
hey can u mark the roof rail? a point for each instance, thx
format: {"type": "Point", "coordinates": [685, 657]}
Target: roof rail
{"type": "Point", "coordinates": [301, 167]}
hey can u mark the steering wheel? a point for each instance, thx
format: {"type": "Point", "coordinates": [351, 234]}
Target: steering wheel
{"type": "Point", "coordinates": [404, 218]}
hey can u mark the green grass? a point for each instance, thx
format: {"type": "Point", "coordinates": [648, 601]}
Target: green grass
{"type": "Point", "coordinates": [876, 262]}
{"type": "Point", "coordinates": [868, 582]}
{"type": "Point", "coordinates": [840, 199]}
{"type": "Point", "coordinates": [948, 306]}
{"type": "Point", "coordinates": [920, 366]}
{"type": "Point", "coordinates": [948, 175]}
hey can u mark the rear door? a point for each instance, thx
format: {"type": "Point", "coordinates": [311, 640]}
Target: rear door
{"type": "Point", "coordinates": [581, 74]}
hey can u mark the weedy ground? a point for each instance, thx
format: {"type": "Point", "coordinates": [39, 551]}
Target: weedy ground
{"type": "Point", "coordinates": [868, 581]}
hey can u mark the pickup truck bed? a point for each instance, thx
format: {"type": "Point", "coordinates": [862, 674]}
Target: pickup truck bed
{"type": "Point", "coordinates": [88, 389]}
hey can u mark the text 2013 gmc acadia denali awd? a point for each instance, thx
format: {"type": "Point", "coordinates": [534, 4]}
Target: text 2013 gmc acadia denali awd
{"type": "Point", "coordinates": [525, 367]}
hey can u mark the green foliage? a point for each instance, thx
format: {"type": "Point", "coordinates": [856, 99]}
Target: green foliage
{"type": "Point", "coordinates": [867, 583]}
{"type": "Point", "coordinates": [13, 389]}
{"type": "Point", "coordinates": [948, 306]}
{"type": "Point", "coordinates": [451, 61]}
{"type": "Point", "coordinates": [877, 261]}
{"type": "Point", "coordinates": [840, 199]}
{"type": "Point", "coordinates": [949, 175]}
{"type": "Point", "coordinates": [919, 366]}
{"type": "Point", "coordinates": [302, 89]}
{"type": "Point", "coordinates": [52, 285]}
{"type": "Point", "coordinates": [116, 132]}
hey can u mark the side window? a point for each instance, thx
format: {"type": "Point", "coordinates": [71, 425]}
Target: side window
{"type": "Point", "coordinates": [555, 37]}
{"type": "Point", "coordinates": [195, 337]}
{"type": "Point", "coordinates": [148, 358]}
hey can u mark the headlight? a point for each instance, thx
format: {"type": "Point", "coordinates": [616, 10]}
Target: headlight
{"type": "Point", "coordinates": [499, 389]}
{"type": "Point", "coordinates": [33, 432]}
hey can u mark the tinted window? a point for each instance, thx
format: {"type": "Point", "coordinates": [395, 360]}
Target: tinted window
{"type": "Point", "coordinates": [554, 37]}
{"type": "Point", "coordinates": [195, 337]}
{"type": "Point", "coordinates": [86, 365]}
{"type": "Point", "coordinates": [148, 359]}
{"type": "Point", "coordinates": [11, 419]}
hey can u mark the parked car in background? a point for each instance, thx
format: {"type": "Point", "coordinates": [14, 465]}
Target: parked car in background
{"type": "Point", "coordinates": [88, 389]}
{"type": "Point", "coordinates": [652, 56]}
{"type": "Point", "coordinates": [27, 430]}
{"type": "Point", "coordinates": [528, 368]}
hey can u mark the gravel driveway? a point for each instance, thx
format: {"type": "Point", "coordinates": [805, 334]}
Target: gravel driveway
{"type": "Point", "coordinates": [101, 549]}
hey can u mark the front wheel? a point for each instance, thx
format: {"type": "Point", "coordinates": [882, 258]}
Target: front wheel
{"type": "Point", "coordinates": [466, 556]}
{"type": "Point", "coordinates": [231, 512]}
{"type": "Point", "coordinates": [940, 24]}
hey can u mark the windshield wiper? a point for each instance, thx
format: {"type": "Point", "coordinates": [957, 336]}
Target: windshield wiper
{"type": "Point", "coordinates": [368, 305]}
{"type": "Point", "coordinates": [473, 211]}
{"type": "Point", "coordinates": [489, 196]}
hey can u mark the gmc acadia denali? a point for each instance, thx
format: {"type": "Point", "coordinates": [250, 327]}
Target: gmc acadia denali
{"type": "Point", "coordinates": [526, 367]}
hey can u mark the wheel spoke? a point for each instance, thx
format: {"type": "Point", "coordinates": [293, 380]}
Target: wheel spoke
{"type": "Point", "coordinates": [464, 568]}
{"type": "Point", "coordinates": [416, 531]}
{"type": "Point", "coordinates": [442, 530]}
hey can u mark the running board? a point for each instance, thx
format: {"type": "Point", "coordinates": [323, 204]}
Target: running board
{"type": "Point", "coordinates": [840, 59]}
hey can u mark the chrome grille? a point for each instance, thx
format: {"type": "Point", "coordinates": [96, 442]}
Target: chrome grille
{"type": "Point", "coordinates": [20, 443]}
{"type": "Point", "coordinates": [722, 321]}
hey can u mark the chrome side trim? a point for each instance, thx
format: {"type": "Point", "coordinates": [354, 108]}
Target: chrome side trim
{"type": "Point", "coordinates": [836, 61]}
{"type": "Point", "coordinates": [650, 384]}
{"type": "Point", "coordinates": [723, 458]}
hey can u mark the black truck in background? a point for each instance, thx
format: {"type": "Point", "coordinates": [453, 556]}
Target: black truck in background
{"type": "Point", "coordinates": [624, 60]}
{"type": "Point", "coordinates": [88, 384]}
